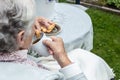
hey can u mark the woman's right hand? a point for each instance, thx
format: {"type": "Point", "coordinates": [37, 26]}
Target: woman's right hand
{"type": "Point", "coordinates": [41, 22]}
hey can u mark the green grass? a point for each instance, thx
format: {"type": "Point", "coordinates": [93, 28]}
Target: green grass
{"type": "Point", "coordinates": [107, 37]}
{"type": "Point", "coordinates": [62, 1]}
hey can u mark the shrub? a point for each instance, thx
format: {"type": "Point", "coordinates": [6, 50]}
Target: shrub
{"type": "Point", "coordinates": [102, 2]}
{"type": "Point", "coordinates": [62, 0]}
{"type": "Point", "coordinates": [114, 2]}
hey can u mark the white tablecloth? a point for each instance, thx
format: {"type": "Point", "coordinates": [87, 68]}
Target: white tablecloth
{"type": "Point", "coordinates": [76, 26]}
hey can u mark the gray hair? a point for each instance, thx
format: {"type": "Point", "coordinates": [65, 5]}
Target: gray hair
{"type": "Point", "coordinates": [15, 15]}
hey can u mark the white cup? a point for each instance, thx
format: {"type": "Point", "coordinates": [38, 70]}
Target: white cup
{"type": "Point", "coordinates": [40, 48]}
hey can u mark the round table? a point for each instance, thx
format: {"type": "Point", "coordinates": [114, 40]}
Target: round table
{"type": "Point", "coordinates": [77, 31]}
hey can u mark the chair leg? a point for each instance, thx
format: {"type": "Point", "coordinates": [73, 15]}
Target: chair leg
{"type": "Point", "coordinates": [77, 1]}
{"type": "Point", "coordinates": [112, 79]}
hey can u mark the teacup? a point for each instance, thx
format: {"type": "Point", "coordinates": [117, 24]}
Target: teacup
{"type": "Point", "coordinates": [40, 48]}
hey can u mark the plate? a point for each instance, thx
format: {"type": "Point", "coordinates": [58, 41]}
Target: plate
{"type": "Point", "coordinates": [55, 31]}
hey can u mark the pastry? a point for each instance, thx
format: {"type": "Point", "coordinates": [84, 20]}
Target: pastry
{"type": "Point", "coordinates": [49, 29]}
{"type": "Point", "coordinates": [37, 34]}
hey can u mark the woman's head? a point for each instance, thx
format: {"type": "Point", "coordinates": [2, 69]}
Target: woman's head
{"type": "Point", "coordinates": [16, 19]}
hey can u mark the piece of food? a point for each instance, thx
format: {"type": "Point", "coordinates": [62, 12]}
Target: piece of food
{"type": "Point", "coordinates": [51, 26]}
{"type": "Point", "coordinates": [37, 34]}
{"type": "Point", "coordinates": [43, 29]}
{"type": "Point", "coordinates": [49, 29]}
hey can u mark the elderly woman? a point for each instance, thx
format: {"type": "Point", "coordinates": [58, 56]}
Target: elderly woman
{"type": "Point", "coordinates": [17, 27]}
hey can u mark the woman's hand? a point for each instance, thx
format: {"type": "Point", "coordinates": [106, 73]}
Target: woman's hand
{"type": "Point", "coordinates": [56, 48]}
{"type": "Point", "coordinates": [41, 22]}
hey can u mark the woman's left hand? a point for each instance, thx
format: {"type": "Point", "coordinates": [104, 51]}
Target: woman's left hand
{"type": "Point", "coordinates": [56, 48]}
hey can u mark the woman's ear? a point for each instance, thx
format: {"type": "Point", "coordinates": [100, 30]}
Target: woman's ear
{"type": "Point", "coordinates": [20, 38]}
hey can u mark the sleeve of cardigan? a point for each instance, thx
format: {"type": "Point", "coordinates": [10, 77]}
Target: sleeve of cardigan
{"type": "Point", "coordinates": [73, 72]}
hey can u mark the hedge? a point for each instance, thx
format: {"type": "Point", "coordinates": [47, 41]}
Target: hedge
{"type": "Point", "coordinates": [114, 3]}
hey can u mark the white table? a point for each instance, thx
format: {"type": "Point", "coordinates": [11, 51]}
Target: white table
{"type": "Point", "coordinates": [76, 26]}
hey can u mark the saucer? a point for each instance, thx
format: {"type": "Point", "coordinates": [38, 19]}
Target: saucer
{"type": "Point", "coordinates": [55, 31]}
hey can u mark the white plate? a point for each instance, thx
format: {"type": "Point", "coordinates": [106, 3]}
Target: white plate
{"type": "Point", "coordinates": [55, 31]}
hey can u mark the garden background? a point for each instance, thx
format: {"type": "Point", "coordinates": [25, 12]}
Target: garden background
{"type": "Point", "coordinates": [106, 27]}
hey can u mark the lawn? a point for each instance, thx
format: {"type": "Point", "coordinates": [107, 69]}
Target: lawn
{"type": "Point", "coordinates": [107, 37]}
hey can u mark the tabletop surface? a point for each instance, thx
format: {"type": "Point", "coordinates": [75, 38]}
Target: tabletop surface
{"type": "Point", "coordinates": [74, 22]}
